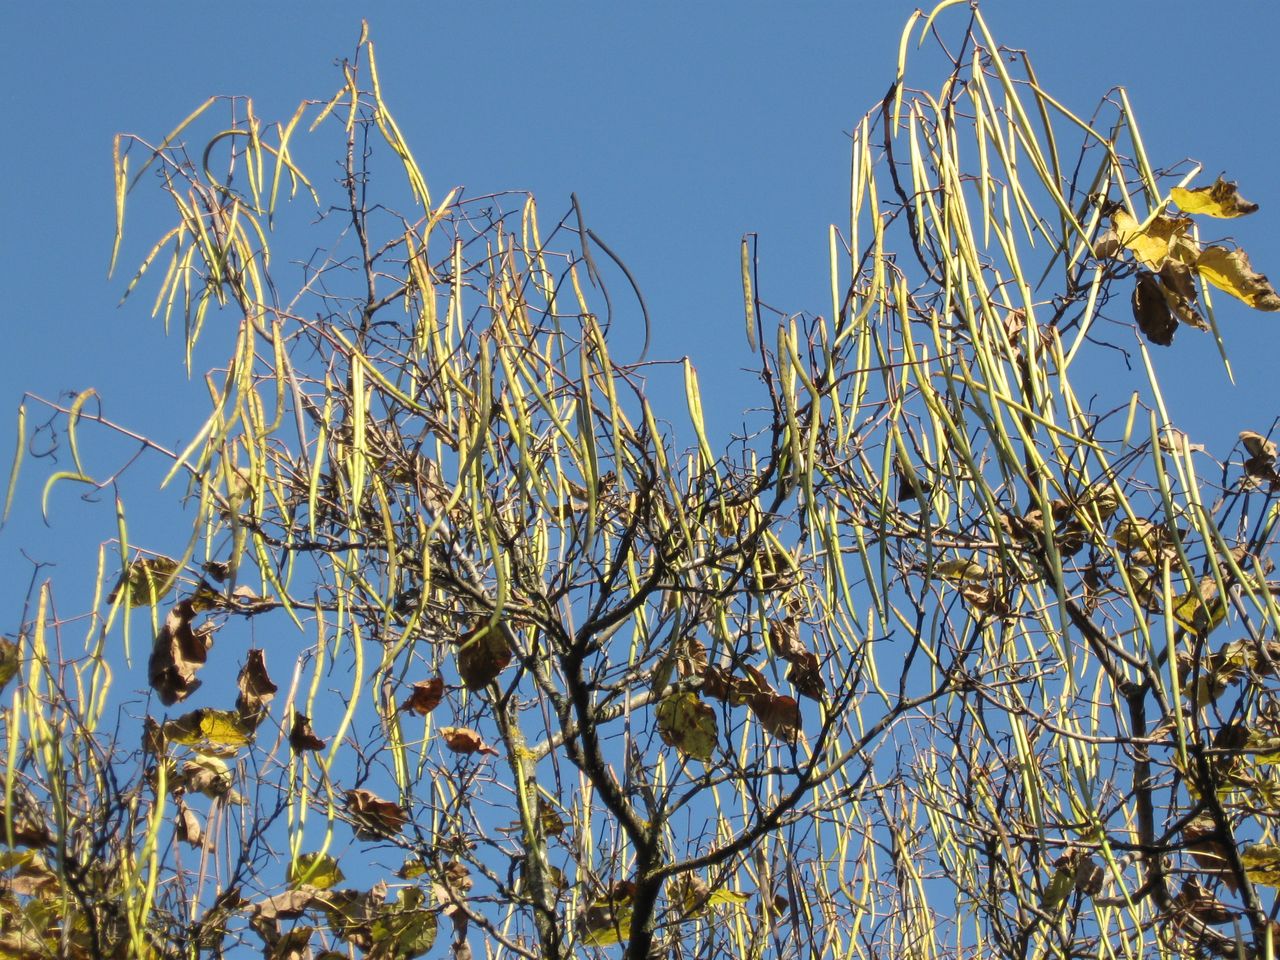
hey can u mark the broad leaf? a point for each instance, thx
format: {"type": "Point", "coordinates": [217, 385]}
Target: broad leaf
{"type": "Point", "coordinates": [483, 654]}
{"type": "Point", "coordinates": [256, 689]}
{"type": "Point", "coordinates": [147, 579]}
{"type": "Point", "coordinates": [1230, 270]}
{"type": "Point", "coordinates": [778, 714]}
{"type": "Point", "coordinates": [465, 740]}
{"type": "Point", "coordinates": [608, 920]}
{"type": "Point", "coordinates": [688, 724]}
{"type": "Point", "coordinates": [1152, 312]}
{"type": "Point", "coordinates": [215, 728]}
{"type": "Point", "coordinates": [1221, 199]}
{"type": "Point", "coordinates": [318, 871]}
{"type": "Point", "coordinates": [426, 696]}
{"type": "Point", "coordinates": [10, 660]}
{"type": "Point", "coordinates": [375, 818]}
{"type": "Point", "coordinates": [178, 652]}
{"type": "Point", "coordinates": [404, 930]}
{"type": "Point", "coordinates": [1154, 244]}
{"type": "Point", "coordinates": [1261, 862]}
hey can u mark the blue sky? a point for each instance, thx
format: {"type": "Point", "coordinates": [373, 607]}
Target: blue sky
{"type": "Point", "coordinates": [681, 126]}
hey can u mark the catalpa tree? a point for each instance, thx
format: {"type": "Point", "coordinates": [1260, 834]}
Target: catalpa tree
{"type": "Point", "coordinates": [481, 644]}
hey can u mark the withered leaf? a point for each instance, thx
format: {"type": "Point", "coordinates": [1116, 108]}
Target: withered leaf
{"type": "Point", "coordinates": [206, 775]}
{"type": "Point", "coordinates": [178, 652]}
{"type": "Point", "coordinates": [1153, 244]}
{"type": "Point", "coordinates": [1261, 463]}
{"type": "Point", "coordinates": [208, 727]}
{"type": "Point", "coordinates": [373, 817]}
{"type": "Point", "coordinates": [1201, 838]}
{"type": "Point", "coordinates": [10, 660]}
{"type": "Point", "coordinates": [1221, 199]}
{"type": "Point", "coordinates": [608, 920]}
{"type": "Point", "coordinates": [779, 714]}
{"type": "Point", "coordinates": [1197, 901]}
{"type": "Point", "coordinates": [426, 696]}
{"type": "Point", "coordinates": [1261, 862]}
{"type": "Point", "coordinates": [1151, 311]}
{"type": "Point", "coordinates": [1231, 271]}
{"type": "Point", "coordinates": [688, 724]}
{"type": "Point", "coordinates": [146, 580]}
{"type": "Point", "coordinates": [784, 638]}
{"type": "Point", "coordinates": [187, 825]}
{"type": "Point", "coordinates": [450, 890]}
{"type": "Point", "coordinates": [256, 689]}
{"type": "Point", "coordinates": [284, 906]}
{"type": "Point", "coordinates": [1178, 285]}
{"type": "Point", "coordinates": [483, 653]}
{"type": "Point", "coordinates": [465, 740]}
{"type": "Point", "coordinates": [1258, 445]}
{"type": "Point", "coordinates": [318, 871]}
{"type": "Point", "coordinates": [302, 737]}
{"type": "Point", "coordinates": [718, 684]}
{"type": "Point", "coordinates": [27, 819]}
{"type": "Point", "coordinates": [805, 674]}
{"type": "Point", "coordinates": [754, 684]}
{"type": "Point", "coordinates": [217, 570]}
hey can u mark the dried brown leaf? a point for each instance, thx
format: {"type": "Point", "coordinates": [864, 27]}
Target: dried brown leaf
{"type": "Point", "coordinates": [178, 653]}
{"type": "Point", "coordinates": [465, 740]}
{"type": "Point", "coordinates": [373, 817]}
{"type": "Point", "coordinates": [302, 737]}
{"type": "Point", "coordinates": [483, 654]}
{"type": "Point", "coordinates": [256, 689]}
{"type": "Point", "coordinates": [426, 696]}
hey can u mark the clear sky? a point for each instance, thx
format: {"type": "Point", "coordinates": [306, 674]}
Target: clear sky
{"type": "Point", "coordinates": [681, 126]}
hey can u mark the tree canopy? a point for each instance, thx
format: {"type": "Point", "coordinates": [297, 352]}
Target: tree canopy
{"type": "Point", "coordinates": [482, 641]}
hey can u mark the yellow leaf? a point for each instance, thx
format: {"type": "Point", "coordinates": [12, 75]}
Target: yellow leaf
{"type": "Point", "coordinates": [688, 724]}
{"type": "Point", "coordinates": [1196, 614]}
{"type": "Point", "coordinates": [1230, 271]}
{"type": "Point", "coordinates": [411, 868]}
{"type": "Point", "coordinates": [145, 580]}
{"type": "Point", "coordinates": [728, 898]}
{"type": "Point", "coordinates": [1222, 199]}
{"type": "Point", "coordinates": [10, 660]}
{"type": "Point", "coordinates": [1059, 888]}
{"type": "Point", "coordinates": [318, 870]}
{"type": "Point", "coordinates": [220, 728]}
{"type": "Point", "coordinates": [1261, 862]}
{"type": "Point", "coordinates": [1155, 243]}
{"type": "Point", "coordinates": [960, 570]}
{"type": "Point", "coordinates": [606, 921]}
